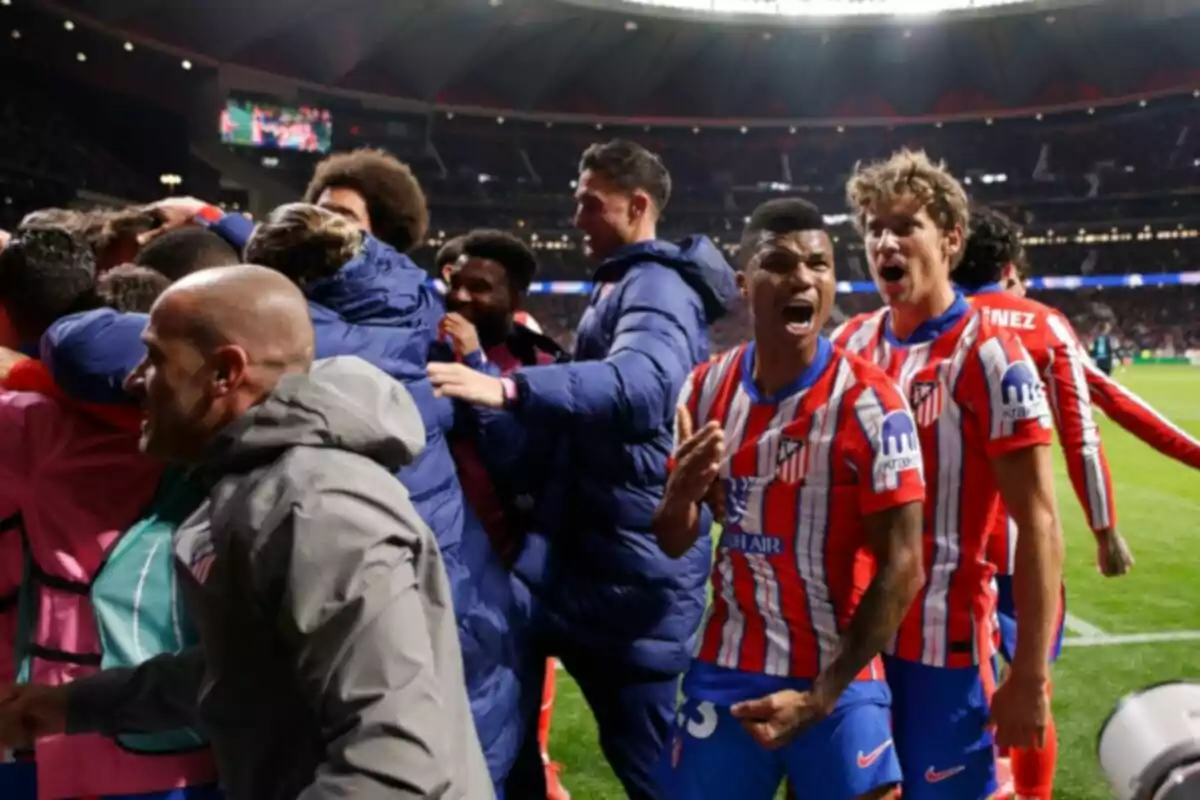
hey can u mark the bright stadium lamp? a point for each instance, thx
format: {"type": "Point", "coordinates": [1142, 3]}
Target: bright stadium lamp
{"type": "Point", "coordinates": [827, 8]}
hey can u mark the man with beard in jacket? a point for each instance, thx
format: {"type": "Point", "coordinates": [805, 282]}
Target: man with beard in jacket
{"type": "Point", "coordinates": [486, 285]}
{"type": "Point", "coordinates": [619, 614]}
{"type": "Point", "coordinates": [329, 663]}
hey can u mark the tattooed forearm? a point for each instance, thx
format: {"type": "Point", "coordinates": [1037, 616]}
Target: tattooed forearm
{"type": "Point", "coordinates": [895, 538]}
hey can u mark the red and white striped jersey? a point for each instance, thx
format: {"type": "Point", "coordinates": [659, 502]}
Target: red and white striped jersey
{"type": "Point", "coordinates": [1134, 415]}
{"type": "Point", "coordinates": [976, 396]}
{"type": "Point", "coordinates": [1060, 359]}
{"type": "Point", "coordinates": [802, 470]}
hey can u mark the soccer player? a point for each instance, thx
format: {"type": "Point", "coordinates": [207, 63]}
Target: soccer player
{"type": "Point", "coordinates": [984, 426]}
{"type": "Point", "coordinates": [487, 280]}
{"type": "Point", "coordinates": [819, 472]}
{"type": "Point", "coordinates": [991, 261]}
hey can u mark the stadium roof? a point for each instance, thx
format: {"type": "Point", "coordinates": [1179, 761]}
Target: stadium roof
{"type": "Point", "coordinates": [560, 57]}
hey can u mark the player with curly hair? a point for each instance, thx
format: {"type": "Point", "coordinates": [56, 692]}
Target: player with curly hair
{"type": "Point", "coordinates": [377, 191]}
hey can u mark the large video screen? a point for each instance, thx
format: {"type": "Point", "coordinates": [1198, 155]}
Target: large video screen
{"type": "Point", "coordinates": [254, 124]}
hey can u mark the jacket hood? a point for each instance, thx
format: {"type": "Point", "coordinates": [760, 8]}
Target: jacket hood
{"type": "Point", "coordinates": [90, 354]}
{"type": "Point", "coordinates": [378, 286]}
{"type": "Point", "coordinates": [698, 261]}
{"type": "Point", "coordinates": [339, 404]}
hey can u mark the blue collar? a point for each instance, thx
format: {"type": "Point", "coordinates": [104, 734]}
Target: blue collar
{"type": "Point", "coordinates": [987, 288]}
{"type": "Point", "coordinates": [932, 328]}
{"type": "Point", "coordinates": [806, 378]}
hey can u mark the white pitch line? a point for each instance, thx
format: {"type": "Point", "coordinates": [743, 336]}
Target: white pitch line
{"type": "Point", "coordinates": [1084, 628]}
{"type": "Point", "coordinates": [1132, 638]}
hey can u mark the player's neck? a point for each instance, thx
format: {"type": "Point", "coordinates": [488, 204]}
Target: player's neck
{"type": "Point", "coordinates": [907, 317]}
{"type": "Point", "coordinates": [778, 364]}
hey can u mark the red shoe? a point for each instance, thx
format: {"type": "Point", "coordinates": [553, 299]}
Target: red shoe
{"type": "Point", "coordinates": [554, 788]}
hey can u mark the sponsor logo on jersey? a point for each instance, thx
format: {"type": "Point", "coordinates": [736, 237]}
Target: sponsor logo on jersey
{"type": "Point", "coordinates": [753, 544]}
{"type": "Point", "coordinates": [1022, 395]}
{"type": "Point", "coordinates": [737, 502]}
{"type": "Point", "coordinates": [898, 448]}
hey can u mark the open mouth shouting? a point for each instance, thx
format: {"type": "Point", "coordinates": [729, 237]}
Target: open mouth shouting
{"type": "Point", "coordinates": [892, 274]}
{"type": "Point", "coordinates": [798, 316]}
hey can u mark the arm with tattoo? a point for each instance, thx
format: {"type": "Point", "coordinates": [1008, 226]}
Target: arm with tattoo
{"type": "Point", "coordinates": [894, 536]}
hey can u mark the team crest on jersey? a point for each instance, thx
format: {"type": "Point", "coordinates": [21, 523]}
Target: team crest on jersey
{"type": "Point", "coordinates": [790, 461]}
{"type": "Point", "coordinates": [926, 401]}
{"type": "Point", "coordinates": [1022, 394]}
{"type": "Point", "coordinates": [201, 560]}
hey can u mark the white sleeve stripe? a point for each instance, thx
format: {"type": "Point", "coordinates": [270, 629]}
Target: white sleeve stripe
{"type": "Point", "coordinates": [1133, 398]}
{"type": "Point", "coordinates": [1097, 487]}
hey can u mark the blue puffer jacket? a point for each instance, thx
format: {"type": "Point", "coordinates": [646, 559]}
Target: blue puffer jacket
{"type": "Point", "coordinates": [379, 309]}
{"type": "Point", "coordinates": [602, 582]}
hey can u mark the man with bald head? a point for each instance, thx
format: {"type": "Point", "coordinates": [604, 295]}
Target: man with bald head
{"type": "Point", "coordinates": [328, 664]}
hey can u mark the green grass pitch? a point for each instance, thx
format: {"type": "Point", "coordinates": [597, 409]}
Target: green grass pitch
{"type": "Point", "coordinates": [1158, 505]}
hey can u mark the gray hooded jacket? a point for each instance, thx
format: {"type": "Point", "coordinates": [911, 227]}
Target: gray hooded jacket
{"type": "Point", "coordinates": [329, 664]}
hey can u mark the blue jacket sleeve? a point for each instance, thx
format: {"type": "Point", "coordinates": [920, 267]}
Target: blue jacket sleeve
{"type": "Point", "coordinates": [658, 321]}
{"type": "Point", "coordinates": [233, 228]}
{"type": "Point", "coordinates": [478, 362]}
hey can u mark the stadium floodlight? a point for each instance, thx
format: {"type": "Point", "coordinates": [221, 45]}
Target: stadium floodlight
{"type": "Point", "coordinates": [827, 8]}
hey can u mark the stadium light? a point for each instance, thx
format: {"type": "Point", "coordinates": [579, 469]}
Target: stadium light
{"type": "Point", "coordinates": [16, 34]}
{"type": "Point", "coordinates": [81, 57]}
{"type": "Point", "coordinates": [68, 25]}
{"type": "Point", "coordinates": [186, 64]}
{"type": "Point", "coordinates": [824, 8]}
{"type": "Point", "coordinates": [129, 47]}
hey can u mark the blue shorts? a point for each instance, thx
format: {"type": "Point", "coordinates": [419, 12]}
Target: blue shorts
{"type": "Point", "coordinates": [1006, 610]}
{"type": "Point", "coordinates": [850, 753]}
{"type": "Point", "coordinates": [939, 718]}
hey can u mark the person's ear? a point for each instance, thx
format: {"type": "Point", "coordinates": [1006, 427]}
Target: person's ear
{"type": "Point", "coordinates": [230, 364]}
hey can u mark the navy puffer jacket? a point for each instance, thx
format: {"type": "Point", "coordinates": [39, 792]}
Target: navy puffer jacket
{"type": "Point", "coordinates": [600, 430]}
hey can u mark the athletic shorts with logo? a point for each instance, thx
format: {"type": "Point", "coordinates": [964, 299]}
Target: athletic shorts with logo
{"type": "Point", "coordinates": [939, 718]}
{"type": "Point", "coordinates": [710, 756]}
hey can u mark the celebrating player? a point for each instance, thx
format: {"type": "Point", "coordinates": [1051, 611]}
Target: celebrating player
{"type": "Point", "coordinates": [991, 261]}
{"type": "Point", "coordinates": [984, 426]}
{"type": "Point", "coordinates": [816, 458]}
